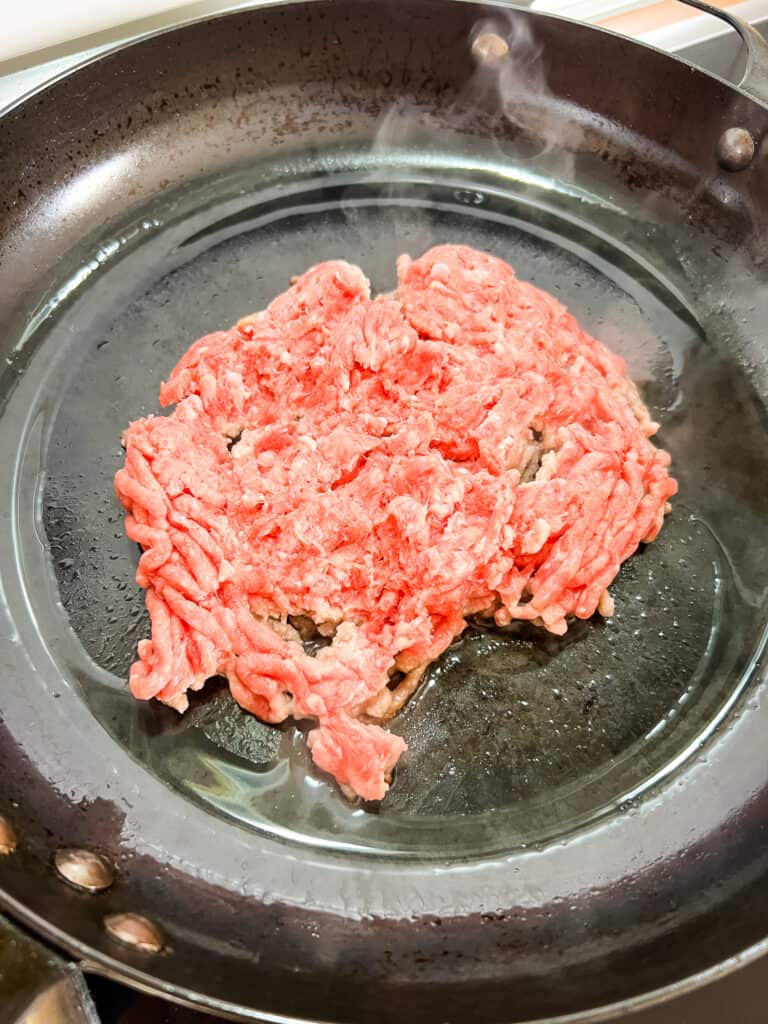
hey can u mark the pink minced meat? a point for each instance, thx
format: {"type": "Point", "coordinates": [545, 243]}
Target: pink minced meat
{"type": "Point", "coordinates": [385, 468]}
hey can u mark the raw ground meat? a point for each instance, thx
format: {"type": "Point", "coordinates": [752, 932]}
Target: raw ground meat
{"type": "Point", "coordinates": [378, 470]}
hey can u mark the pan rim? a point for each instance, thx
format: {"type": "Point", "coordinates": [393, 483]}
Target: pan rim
{"type": "Point", "coordinates": [91, 961]}
{"type": "Point", "coordinates": [111, 49]}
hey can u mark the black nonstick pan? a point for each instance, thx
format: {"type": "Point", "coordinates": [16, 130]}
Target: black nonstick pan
{"type": "Point", "coordinates": [580, 825]}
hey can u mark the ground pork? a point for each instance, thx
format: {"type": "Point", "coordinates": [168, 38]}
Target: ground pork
{"type": "Point", "coordinates": [381, 469]}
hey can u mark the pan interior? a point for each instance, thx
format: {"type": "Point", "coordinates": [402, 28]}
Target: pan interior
{"type": "Point", "coordinates": [515, 737]}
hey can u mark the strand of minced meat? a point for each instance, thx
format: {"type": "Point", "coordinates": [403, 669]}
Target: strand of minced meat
{"type": "Point", "coordinates": [385, 468]}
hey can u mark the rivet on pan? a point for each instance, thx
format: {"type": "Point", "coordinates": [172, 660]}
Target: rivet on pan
{"type": "Point", "coordinates": [84, 869]}
{"type": "Point", "coordinates": [735, 149]}
{"type": "Point", "coordinates": [135, 930]}
{"type": "Point", "coordinates": [7, 836]}
{"type": "Point", "coordinates": [489, 49]}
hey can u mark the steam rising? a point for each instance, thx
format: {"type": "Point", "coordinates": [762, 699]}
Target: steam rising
{"type": "Point", "coordinates": [505, 126]}
{"type": "Point", "coordinates": [506, 90]}
{"type": "Point", "coordinates": [503, 116]}
{"type": "Point", "coordinates": [511, 73]}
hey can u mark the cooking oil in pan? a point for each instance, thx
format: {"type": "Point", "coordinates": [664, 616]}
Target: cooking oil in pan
{"type": "Point", "coordinates": [515, 736]}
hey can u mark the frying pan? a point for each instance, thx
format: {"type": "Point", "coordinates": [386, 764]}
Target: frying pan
{"type": "Point", "coordinates": [581, 825]}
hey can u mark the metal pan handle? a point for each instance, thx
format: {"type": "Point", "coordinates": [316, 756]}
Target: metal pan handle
{"type": "Point", "coordinates": [37, 986]}
{"type": "Point", "coordinates": [755, 78]}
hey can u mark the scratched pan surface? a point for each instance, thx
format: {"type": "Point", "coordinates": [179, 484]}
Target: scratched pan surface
{"type": "Point", "coordinates": [573, 815]}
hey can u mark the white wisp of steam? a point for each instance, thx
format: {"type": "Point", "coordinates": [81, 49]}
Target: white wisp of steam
{"type": "Point", "coordinates": [511, 72]}
{"type": "Point", "coordinates": [508, 81]}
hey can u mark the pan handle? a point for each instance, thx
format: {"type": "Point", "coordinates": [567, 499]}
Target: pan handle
{"type": "Point", "coordinates": [755, 78]}
{"type": "Point", "coordinates": [37, 986]}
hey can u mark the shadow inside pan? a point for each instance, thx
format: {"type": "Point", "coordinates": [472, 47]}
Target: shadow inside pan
{"type": "Point", "coordinates": [516, 736]}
